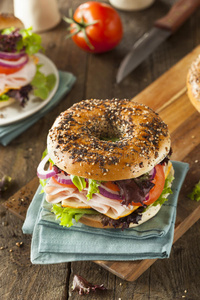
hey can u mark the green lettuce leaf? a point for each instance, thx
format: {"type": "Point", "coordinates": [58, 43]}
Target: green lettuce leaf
{"type": "Point", "coordinates": [45, 152]}
{"type": "Point", "coordinates": [79, 182]}
{"type": "Point", "coordinates": [43, 183]}
{"type": "Point", "coordinates": [195, 194]}
{"type": "Point", "coordinates": [32, 42]}
{"type": "Point", "coordinates": [4, 97]}
{"type": "Point", "coordinates": [67, 214]}
{"type": "Point", "coordinates": [92, 188]}
{"type": "Point", "coordinates": [166, 190]}
{"type": "Point", "coordinates": [8, 30]}
{"type": "Point", "coordinates": [42, 85]}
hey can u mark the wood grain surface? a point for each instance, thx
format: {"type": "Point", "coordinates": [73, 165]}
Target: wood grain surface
{"type": "Point", "coordinates": [174, 278]}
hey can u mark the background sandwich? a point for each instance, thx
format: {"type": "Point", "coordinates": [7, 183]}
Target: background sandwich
{"type": "Point", "coordinates": [19, 68]}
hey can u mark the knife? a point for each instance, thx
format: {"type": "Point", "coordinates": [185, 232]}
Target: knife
{"type": "Point", "coordinates": [161, 30]}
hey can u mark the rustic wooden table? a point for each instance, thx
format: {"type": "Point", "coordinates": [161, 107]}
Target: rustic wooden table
{"type": "Point", "coordinates": [174, 278]}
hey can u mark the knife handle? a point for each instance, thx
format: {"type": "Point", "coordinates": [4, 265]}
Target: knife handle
{"type": "Point", "coordinates": [177, 15]}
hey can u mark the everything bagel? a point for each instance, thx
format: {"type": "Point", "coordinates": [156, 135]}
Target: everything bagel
{"type": "Point", "coordinates": [193, 83]}
{"type": "Point", "coordinates": [108, 139]}
{"type": "Point", "coordinates": [109, 164]}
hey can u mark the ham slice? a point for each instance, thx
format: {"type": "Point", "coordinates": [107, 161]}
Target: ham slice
{"type": "Point", "coordinates": [18, 79]}
{"type": "Point", "coordinates": [71, 197]}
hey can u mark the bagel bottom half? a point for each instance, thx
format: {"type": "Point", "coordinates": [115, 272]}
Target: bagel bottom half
{"type": "Point", "coordinates": [7, 102]}
{"type": "Point", "coordinates": [96, 220]}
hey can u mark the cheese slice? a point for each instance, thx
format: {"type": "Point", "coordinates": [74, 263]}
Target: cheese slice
{"type": "Point", "coordinates": [125, 213]}
{"type": "Point", "coordinates": [169, 166]}
{"type": "Point", "coordinates": [73, 203]}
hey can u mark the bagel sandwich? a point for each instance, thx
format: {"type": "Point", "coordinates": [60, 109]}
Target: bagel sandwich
{"type": "Point", "coordinates": [19, 68]}
{"type": "Point", "coordinates": [193, 83]}
{"type": "Point", "coordinates": [109, 164]}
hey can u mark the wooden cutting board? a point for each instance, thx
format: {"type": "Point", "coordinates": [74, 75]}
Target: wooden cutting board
{"type": "Point", "coordinates": [167, 96]}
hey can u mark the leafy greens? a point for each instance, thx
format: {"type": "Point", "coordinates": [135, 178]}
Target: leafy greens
{"type": "Point", "coordinates": [67, 214]}
{"type": "Point", "coordinates": [92, 188]}
{"type": "Point", "coordinates": [78, 181]}
{"type": "Point", "coordinates": [4, 97]}
{"type": "Point", "coordinates": [42, 84]}
{"type": "Point", "coordinates": [195, 194]}
{"type": "Point", "coordinates": [24, 39]}
{"type": "Point", "coordinates": [167, 190]}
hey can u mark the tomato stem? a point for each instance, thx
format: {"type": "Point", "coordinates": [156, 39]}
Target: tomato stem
{"type": "Point", "coordinates": [78, 27]}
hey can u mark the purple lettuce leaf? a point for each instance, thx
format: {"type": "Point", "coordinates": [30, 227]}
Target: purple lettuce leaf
{"type": "Point", "coordinates": [8, 42]}
{"type": "Point", "coordinates": [21, 95]}
{"type": "Point", "coordinates": [124, 222]}
{"type": "Point", "coordinates": [167, 158]}
{"type": "Point", "coordinates": [135, 190]}
{"type": "Point", "coordinates": [82, 286]}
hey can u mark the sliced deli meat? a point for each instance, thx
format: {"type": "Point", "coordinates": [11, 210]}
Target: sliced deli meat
{"type": "Point", "coordinates": [71, 197]}
{"type": "Point", "coordinates": [18, 79]}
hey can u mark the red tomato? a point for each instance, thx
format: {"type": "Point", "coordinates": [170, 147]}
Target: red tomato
{"type": "Point", "coordinates": [98, 26]}
{"type": "Point", "coordinates": [155, 192]}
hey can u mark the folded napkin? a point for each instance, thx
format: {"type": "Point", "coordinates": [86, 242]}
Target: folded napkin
{"type": "Point", "coordinates": [52, 243]}
{"type": "Point", "coordinates": [9, 132]}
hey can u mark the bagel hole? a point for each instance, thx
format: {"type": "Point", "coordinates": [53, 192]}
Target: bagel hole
{"type": "Point", "coordinates": [110, 134]}
{"type": "Point", "coordinates": [109, 138]}
{"type": "Point", "coordinates": [106, 131]}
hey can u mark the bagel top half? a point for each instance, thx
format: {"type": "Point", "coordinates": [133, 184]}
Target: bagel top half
{"type": "Point", "coordinates": [108, 139]}
{"type": "Point", "coordinates": [9, 20]}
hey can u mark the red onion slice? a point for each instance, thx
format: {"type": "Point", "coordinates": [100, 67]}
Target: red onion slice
{"type": "Point", "coordinates": [12, 55]}
{"type": "Point", "coordinates": [109, 190]}
{"type": "Point", "coordinates": [41, 172]}
{"type": "Point", "coordinates": [107, 194]}
{"type": "Point", "coordinates": [14, 63]}
{"type": "Point", "coordinates": [152, 173]}
{"type": "Point", "coordinates": [63, 179]}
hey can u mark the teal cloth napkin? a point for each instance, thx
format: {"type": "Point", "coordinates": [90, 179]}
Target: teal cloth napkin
{"type": "Point", "coordinates": [52, 243]}
{"type": "Point", "coordinates": [9, 132]}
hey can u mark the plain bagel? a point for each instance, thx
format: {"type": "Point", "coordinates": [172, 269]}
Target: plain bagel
{"type": "Point", "coordinates": [193, 83]}
{"type": "Point", "coordinates": [108, 139]}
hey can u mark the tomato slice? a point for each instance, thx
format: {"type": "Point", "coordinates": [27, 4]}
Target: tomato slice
{"type": "Point", "coordinates": [155, 192]}
{"type": "Point", "coordinates": [9, 70]}
{"type": "Point", "coordinates": [111, 185]}
{"type": "Point", "coordinates": [159, 182]}
{"type": "Point", "coordinates": [61, 184]}
{"type": "Point", "coordinates": [4, 70]}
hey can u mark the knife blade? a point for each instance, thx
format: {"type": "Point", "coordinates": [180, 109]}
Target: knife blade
{"type": "Point", "coordinates": [161, 30]}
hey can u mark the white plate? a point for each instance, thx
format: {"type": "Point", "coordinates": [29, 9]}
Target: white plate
{"type": "Point", "coordinates": [15, 112]}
